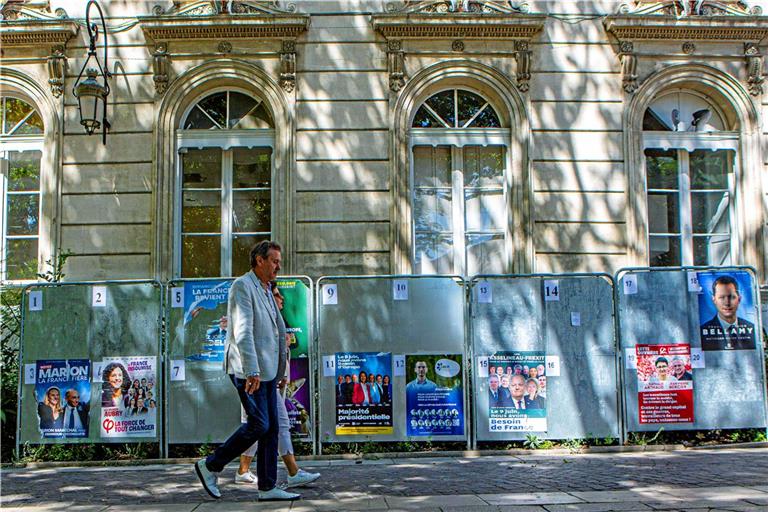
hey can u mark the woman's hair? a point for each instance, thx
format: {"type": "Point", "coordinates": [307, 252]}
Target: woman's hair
{"type": "Point", "coordinates": [47, 401]}
{"type": "Point", "coordinates": [108, 370]}
{"type": "Point", "coordinates": [534, 381]}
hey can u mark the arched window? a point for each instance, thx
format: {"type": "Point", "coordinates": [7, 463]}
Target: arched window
{"type": "Point", "coordinates": [690, 156]}
{"type": "Point", "coordinates": [225, 173]}
{"type": "Point", "coordinates": [21, 151]}
{"type": "Point", "coordinates": [459, 161]}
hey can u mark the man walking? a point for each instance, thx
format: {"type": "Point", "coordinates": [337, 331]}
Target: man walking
{"type": "Point", "coordinates": [255, 359]}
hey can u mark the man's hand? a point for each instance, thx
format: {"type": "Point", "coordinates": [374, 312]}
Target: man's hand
{"type": "Point", "coordinates": [282, 383]}
{"type": "Point", "coordinates": [252, 384]}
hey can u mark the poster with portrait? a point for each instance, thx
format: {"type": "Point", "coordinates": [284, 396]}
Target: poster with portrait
{"type": "Point", "coordinates": [296, 295]}
{"type": "Point", "coordinates": [360, 407]}
{"type": "Point", "coordinates": [664, 383]}
{"type": "Point", "coordinates": [63, 397]}
{"type": "Point", "coordinates": [297, 398]}
{"type": "Point", "coordinates": [129, 398]}
{"type": "Point", "coordinates": [517, 400]}
{"type": "Point", "coordinates": [727, 316]}
{"type": "Point", "coordinates": [205, 319]}
{"type": "Point", "coordinates": [434, 395]}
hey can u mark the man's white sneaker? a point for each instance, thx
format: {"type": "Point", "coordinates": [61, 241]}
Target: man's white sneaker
{"type": "Point", "coordinates": [207, 478]}
{"type": "Point", "coordinates": [246, 478]}
{"type": "Point", "coordinates": [277, 494]}
{"type": "Point", "coordinates": [301, 478]}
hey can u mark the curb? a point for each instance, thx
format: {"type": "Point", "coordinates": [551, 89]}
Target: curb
{"type": "Point", "coordinates": [404, 455]}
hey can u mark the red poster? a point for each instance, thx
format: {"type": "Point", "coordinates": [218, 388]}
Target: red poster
{"type": "Point", "coordinates": [665, 383]}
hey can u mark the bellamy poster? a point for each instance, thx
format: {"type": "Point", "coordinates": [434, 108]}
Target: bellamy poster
{"type": "Point", "coordinates": [63, 393]}
{"type": "Point", "coordinates": [296, 295]}
{"type": "Point", "coordinates": [434, 397]}
{"type": "Point", "coordinates": [517, 392]}
{"type": "Point", "coordinates": [205, 319]}
{"type": "Point", "coordinates": [726, 311]}
{"type": "Point", "coordinates": [129, 397]}
{"type": "Point", "coordinates": [363, 393]}
{"type": "Point", "coordinates": [664, 383]}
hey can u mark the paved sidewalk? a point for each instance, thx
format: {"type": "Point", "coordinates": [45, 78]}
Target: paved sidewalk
{"type": "Point", "coordinates": [700, 480]}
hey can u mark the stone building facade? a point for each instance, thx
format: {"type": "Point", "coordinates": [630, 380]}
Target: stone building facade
{"type": "Point", "coordinates": [376, 137]}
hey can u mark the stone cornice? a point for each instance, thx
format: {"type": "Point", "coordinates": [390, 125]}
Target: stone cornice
{"type": "Point", "coordinates": [699, 28]}
{"type": "Point", "coordinates": [249, 26]}
{"type": "Point", "coordinates": [458, 25]}
{"type": "Point", "coordinates": [37, 32]}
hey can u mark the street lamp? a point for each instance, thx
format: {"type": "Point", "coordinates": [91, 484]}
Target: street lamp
{"type": "Point", "coordinates": [92, 92]}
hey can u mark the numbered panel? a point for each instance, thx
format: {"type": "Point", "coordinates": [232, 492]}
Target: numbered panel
{"type": "Point", "coordinates": [95, 376]}
{"type": "Point", "coordinates": [682, 368]}
{"type": "Point", "coordinates": [203, 406]}
{"type": "Point", "coordinates": [544, 357]}
{"type": "Point", "coordinates": [408, 334]}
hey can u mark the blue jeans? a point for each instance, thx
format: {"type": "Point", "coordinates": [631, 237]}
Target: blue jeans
{"type": "Point", "coordinates": [261, 411]}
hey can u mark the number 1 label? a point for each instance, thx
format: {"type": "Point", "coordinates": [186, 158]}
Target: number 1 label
{"type": "Point", "coordinates": [36, 301]}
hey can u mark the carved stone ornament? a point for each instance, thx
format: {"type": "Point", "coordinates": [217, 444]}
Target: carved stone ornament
{"type": "Point", "coordinates": [160, 68]}
{"type": "Point", "coordinates": [30, 23]}
{"type": "Point", "coordinates": [214, 20]}
{"type": "Point", "coordinates": [755, 75]}
{"type": "Point", "coordinates": [685, 8]}
{"type": "Point", "coordinates": [224, 47]}
{"type": "Point", "coordinates": [628, 66]}
{"type": "Point", "coordinates": [288, 65]}
{"type": "Point", "coordinates": [457, 46]}
{"type": "Point", "coordinates": [689, 48]}
{"type": "Point", "coordinates": [523, 58]}
{"type": "Point", "coordinates": [57, 70]}
{"type": "Point", "coordinates": [451, 6]}
{"type": "Point", "coordinates": [395, 64]}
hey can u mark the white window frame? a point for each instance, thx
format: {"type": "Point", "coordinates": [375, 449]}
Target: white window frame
{"type": "Point", "coordinates": [9, 144]}
{"type": "Point", "coordinates": [226, 140]}
{"type": "Point", "coordinates": [685, 143]}
{"type": "Point", "coordinates": [457, 139]}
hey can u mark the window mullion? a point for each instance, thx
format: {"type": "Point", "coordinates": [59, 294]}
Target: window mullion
{"type": "Point", "coordinates": [226, 213]}
{"type": "Point", "coordinates": [686, 222]}
{"type": "Point", "coordinates": [4, 206]}
{"type": "Point", "coordinates": [457, 210]}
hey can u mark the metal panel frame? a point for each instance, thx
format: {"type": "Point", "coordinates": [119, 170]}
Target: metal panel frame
{"type": "Point", "coordinates": [540, 277]}
{"type": "Point", "coordinates": [160, 434]}
{"type": "Point", "coordinates": [332, 438]}
{"type": "Point", "coordinates": [618, 291]}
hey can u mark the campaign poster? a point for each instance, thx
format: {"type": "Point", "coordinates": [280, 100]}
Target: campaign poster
{"type": "Point", "coordinates": [63, 393]}
{"type": "Point", "coordinates": [205, 319]}
{"type": "Point", "coordinates": [434, 396]}
{"type": "Point", "coordinates": [517, 392]}
{"type": "Point", "coordinates": [297, 398]}
{"type": "Point", "coordinates": [129, 398]}
{"type": "Point", "coordinates": [727, 316]}
{"type": "Point", "coordinates": [664, 383]}
{"type": "Point", "coordinates": [296, 295]}
{"type": "Point", "coordinates": [362, 408]}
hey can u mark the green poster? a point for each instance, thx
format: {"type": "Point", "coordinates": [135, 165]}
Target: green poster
{"type": "Point", "coordinates": [296, 314]}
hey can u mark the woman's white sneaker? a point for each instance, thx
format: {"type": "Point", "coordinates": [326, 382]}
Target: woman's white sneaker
{"type": "Point", "coordinates": [301, 478]}
{"type": "Point", "coordinates": [246, 478]}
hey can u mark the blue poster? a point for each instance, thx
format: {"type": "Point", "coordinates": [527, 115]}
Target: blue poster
{"type": "Point", "coordinates": [363, 393]}
{"type": "Point", "coordinates": [205, 319]}
{"type": "Point", "coordinates": [63, 394]}
{"type": "Point", "coordinates": [727, 316]}
{"type": "Point", "coordinates": [434, 396]}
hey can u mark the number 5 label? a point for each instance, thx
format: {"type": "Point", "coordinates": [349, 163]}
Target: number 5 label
{"type": "Point", "coordinates": [177, 297]}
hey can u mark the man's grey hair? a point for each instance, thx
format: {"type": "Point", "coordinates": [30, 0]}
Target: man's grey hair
{"type": "Point", "coordinates": [262, 249]}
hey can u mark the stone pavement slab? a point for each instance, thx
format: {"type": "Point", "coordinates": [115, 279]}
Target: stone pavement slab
{"type": "Point", "coordinates": [673, 480]}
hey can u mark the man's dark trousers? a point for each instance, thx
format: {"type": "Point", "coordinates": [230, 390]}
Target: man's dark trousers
{"type": "Point", "coordinates": [261, 410]}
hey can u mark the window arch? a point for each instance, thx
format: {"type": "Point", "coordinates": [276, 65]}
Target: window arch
{"type": "Point", "coordinates": [690, 156]}
{"type": "Point", "coordinates": [21, 155]}
{"type": "Point", "coordinates": [459, 154]}
{"type": "Point", "coordinates": [225, 174]}
{"type": "Point", "coordinates": [740, 138]}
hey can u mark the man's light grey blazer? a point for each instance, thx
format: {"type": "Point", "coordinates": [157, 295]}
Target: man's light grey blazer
{"type": "Point", "coordinates": [255, 341]}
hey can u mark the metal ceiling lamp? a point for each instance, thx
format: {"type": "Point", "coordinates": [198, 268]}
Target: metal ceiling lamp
{"type": "Point", "coordinates": [92, 92]}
